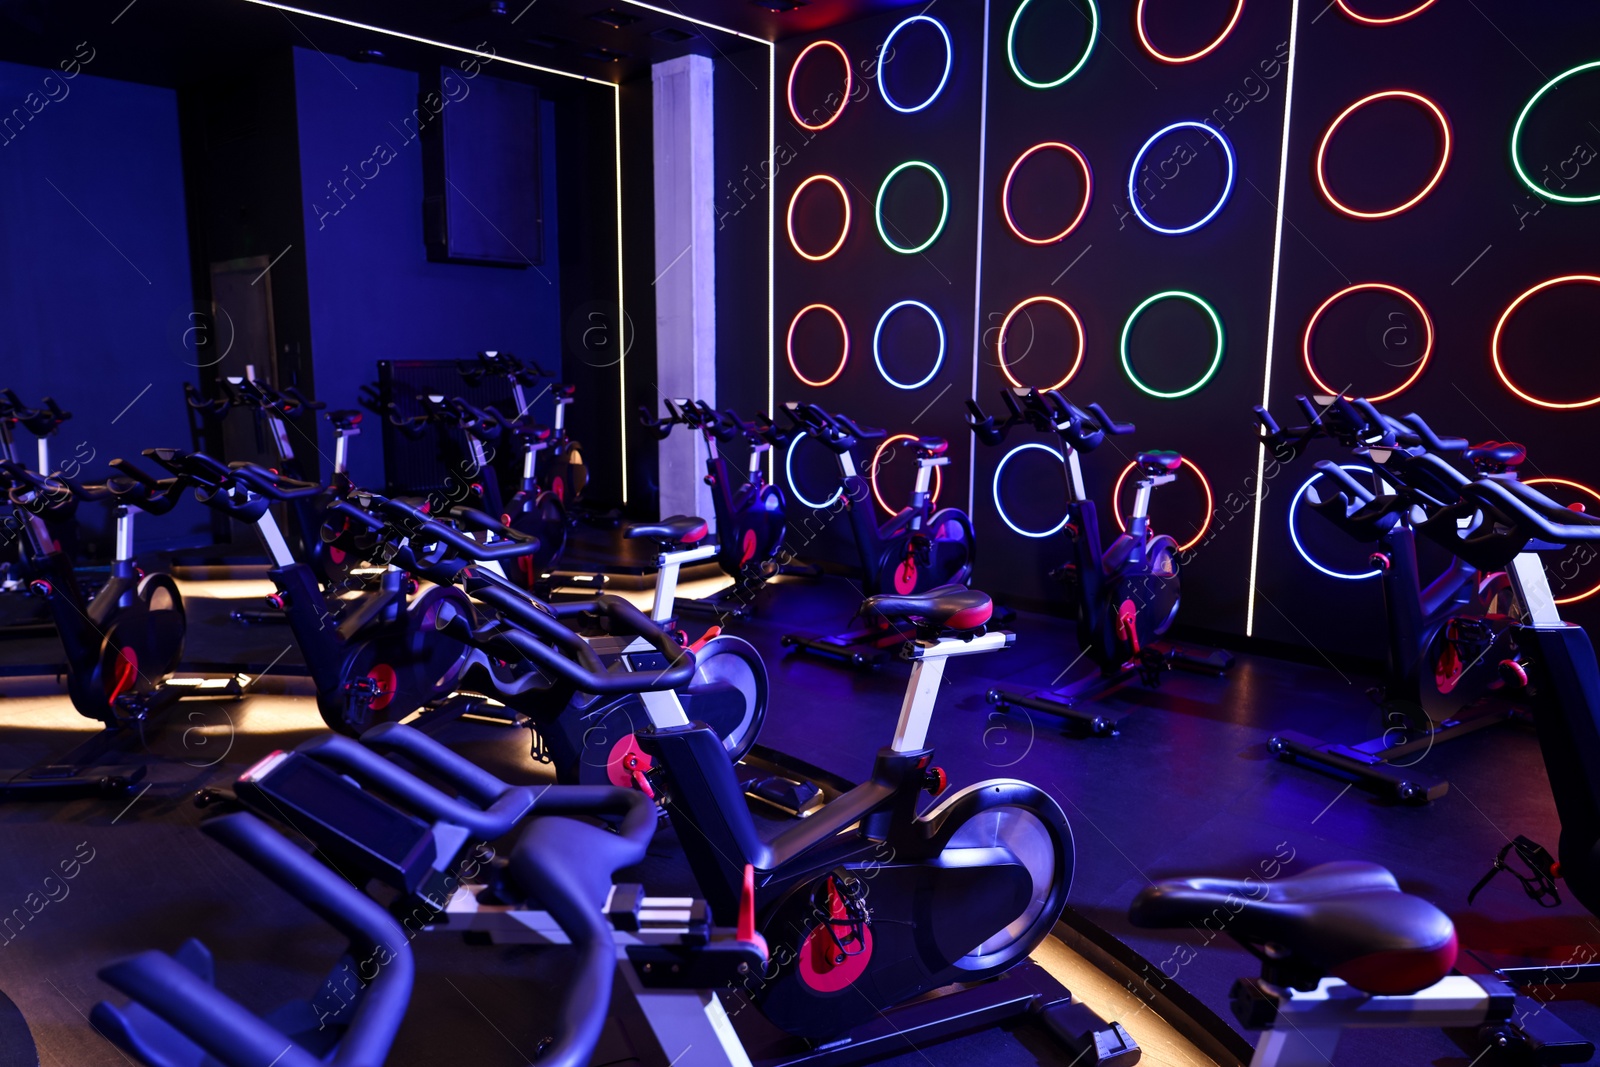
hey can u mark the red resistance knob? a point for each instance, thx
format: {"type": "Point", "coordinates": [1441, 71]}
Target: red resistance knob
{"type": "Point", "coordinates": [1380, 560]}
{"type": "Point", "coordinates": [277, 601]}
{"type": "Point", "coordinates": [935, 781]}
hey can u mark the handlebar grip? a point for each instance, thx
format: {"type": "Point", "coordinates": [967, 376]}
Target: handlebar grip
{"type": "Point", "coordinates": [1268, 423]}
{"type": "Point", "coordinates": [1107, 423]}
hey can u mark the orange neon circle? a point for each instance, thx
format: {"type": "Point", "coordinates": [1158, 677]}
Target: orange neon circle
{"type": "Point", "coordinates": [844, 353]}
{"type": "Point", "coordinates": [849, 84]}
{"type": "Point", "coordinates": [1311, 329]}
{"type": "Point", "coordinates": [872, 474]}
{"type": "Point", "coordinates": [1389, 94]}
{"type": "Point", "coordinates": [1205, 483]}
{"type": "Point", "coordinates": [1499, 328]}
{"type": "Point", "coordinates": [1000, 342]}
{"type": "Point", "coordinates": [1391, 20]}
{"type": "Point", "coordinates": [844, 230]}
{"type": "Point", "coordinates": [1570, 484]}
{"type": "Point", "coordinates": [1083, 209]}
{"type": "Point", "coordinates": [1138, 24]}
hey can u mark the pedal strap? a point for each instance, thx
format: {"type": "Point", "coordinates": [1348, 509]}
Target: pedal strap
{"type": "Point", "coordinates": [1539, 883]}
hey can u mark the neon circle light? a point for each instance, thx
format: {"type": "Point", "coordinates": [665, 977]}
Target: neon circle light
{"type": "Point", "coordinates": [1005, 327]}
{"type": "Point", "coordinates": [949, 59]}
{"type": "Point", "coordinates": [1205, 483]}
{"type": "Point", "coordinates": [1157, 54]}
{"type": "Point", "coordinates": [1083, 208]}
{"type": "Point", "coordinates": [1216, 355]}
{"type": "Point", "coordinates": [1133, 177]}
{"type": "Point", "coordinates": [1299, 495]}
{"type": "Point", "coordinates": [944, 208]}
{"type": "Point", "coordinates": [1427, 348]}
{"type": "Point", "coordinates": [872, 473]}
{"type": "Point", "coordinates": [1390, 94]}
{"type": "Point", "coordinates": [844, 230]}
{"type": "Point", "coordinates": [849, 84]}
{"type": "Point", "coordinates": [788, 471]}
{"type": "Point", "coordinates": [1516, 136]}
{"type": "Point", "coordinates": [877, 354]}
{"type": "Point", "coordinates": [1000, 508]}
{"type": "Point", "coordinates": [844, 353]}
{"type": "Point", "coordinates": [1499, 329]}
{"type": "Point", "coordinates": [1570, 484]}
{"type": "Point", "coordinates": [1390, 20]}
{"type": "Point", "coordinates": [1011, 48]}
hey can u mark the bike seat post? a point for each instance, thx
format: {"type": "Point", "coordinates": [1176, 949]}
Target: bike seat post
{"type": "Point", "coordinates": [922, 688]}
{"type": "Point", "coordinates": [924, 486]}
{"type": "Point", "coordinates": [668, 564]}
{"type": "Point", "coordinates": [123, 564]}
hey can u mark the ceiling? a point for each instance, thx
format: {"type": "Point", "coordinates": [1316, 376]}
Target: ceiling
{"type": "Point", "coordinates": [178, 42]}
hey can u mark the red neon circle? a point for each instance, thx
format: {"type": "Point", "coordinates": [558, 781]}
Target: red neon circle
{"type": "Point", "coordinates": [1138, 24]}
{"type": "Point", "coordinates": [872, 474]}
{"type": "Point", "coordinates": [844, 353]}
{"type": "Point", "coordinates": [1499, 328]}
{"type": "Point", "coordinates": [1205, 483]}
{"type": "Point", "coordinates": [1311, 329]}
{"type": "Point", "coordinates": [1083, 208]}
{"type": "Point", "coordinates": [1388, 94]}
{"type": "Point", "coordinates": [1000, 342]}
{"type": "Point", "coordinates": [1391, 20]}
{"type": "Point", "coordinates": [849, 84]}
{"type": "Point", "coordinates": [844, 230]}
{"type": "Point", "coordinates": [1570, 484]}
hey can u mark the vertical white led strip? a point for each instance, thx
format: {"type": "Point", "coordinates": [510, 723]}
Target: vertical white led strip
{"type": "Point", "coordinates": [1272, 317]}
{"type": "Point", "coordinates": [772, 224]}
{"type": "Point", "coordinates": [622, 308]}
{"type": "Point", "coordinates": [977, 284]}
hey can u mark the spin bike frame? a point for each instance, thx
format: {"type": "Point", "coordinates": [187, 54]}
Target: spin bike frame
{"type": "Point", "coordinates": [1379, 514]}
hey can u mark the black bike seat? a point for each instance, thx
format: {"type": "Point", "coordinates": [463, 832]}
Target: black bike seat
{"type": "Point", "coordinates": [1347, 919]}
{"type": "Point", "coordinates": [949, 607]}
{"type": "Point", "coordinates": [345, 417]}
{"type": "Point", "coordinates": [673, 530]}
{"type": "Point", "coordinates": [1159, 462]}
{"type": "Point", "coordinates": [932, 446]}
{"type": "Point", "coordinates": [1496, 454]}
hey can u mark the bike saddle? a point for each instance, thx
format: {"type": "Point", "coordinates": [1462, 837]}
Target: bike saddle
{"type": "Point", "coordinates": [345, 418]}
{"type": "Point", "coordinates": [948, 607]}
{"type": "Point", "coordinates": [1495, 457]}
{"type": "Point", "coordinates": [673, 530]}
{"type": "Point", "coordinates": [932, 446]}
{"type": "Point", "coordinates": [1348, 920]}
{"type": "Point", "coordinates": [1159, 462]}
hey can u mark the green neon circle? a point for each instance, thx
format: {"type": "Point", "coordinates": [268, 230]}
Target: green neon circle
{"type": "Point", "coordinates": [1516, 135]}
{"type": "Point", "coordinates": [1011, 47]}
{"type": "Point", "coordinates": [944, 208]}
{"type": "Point", "coordinates": [1216, 356]}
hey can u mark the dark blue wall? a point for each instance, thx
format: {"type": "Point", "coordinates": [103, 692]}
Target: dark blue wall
{"type": "Point", "coordinates": [373, 293]}
{"type": "Point", "coordinates": [94, 265]}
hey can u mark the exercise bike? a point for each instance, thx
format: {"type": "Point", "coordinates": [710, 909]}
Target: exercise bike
{"type": "Point", "coordinates": [652, 965]}
{"type": "Point", "coordinates": [1341, 947]}
{"type": "Point", "coordinates": [380, 660]}
{"type": "Point", "coordinates": [749, 512]}
{"type": "Point", "coordinates": [124, 644]}
{"type": "Point", "coordinates": [1444, 639]}
{"type": "Point", "coordinates": [274, 411]}
{"type": "Point", "coordinates": [915, 551]}
{"type": "Point", "coordinates": [555, 462]}
{"type": "Point", "coordinates": [1125, 597]}
{"type": "Point", "coordinates": [22, 615]}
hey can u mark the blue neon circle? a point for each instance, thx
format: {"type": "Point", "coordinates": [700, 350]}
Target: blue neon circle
{"type": "Point", "coordinates": [877, 355]}
{"type": "Point", "coordinates": [949, 58]}
{"type": "Point", "coordinates": [1294, 537]}
{"type": "Point", "coordinates": [788, 471]}
{"type": "Point", "coordinates": [1133, 176]}
{"type": "Point", "coordinates": [1000, 508]}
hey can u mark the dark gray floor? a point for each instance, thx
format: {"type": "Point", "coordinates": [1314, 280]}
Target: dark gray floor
{"type": "Point", "coordinates": [1186, 787]}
